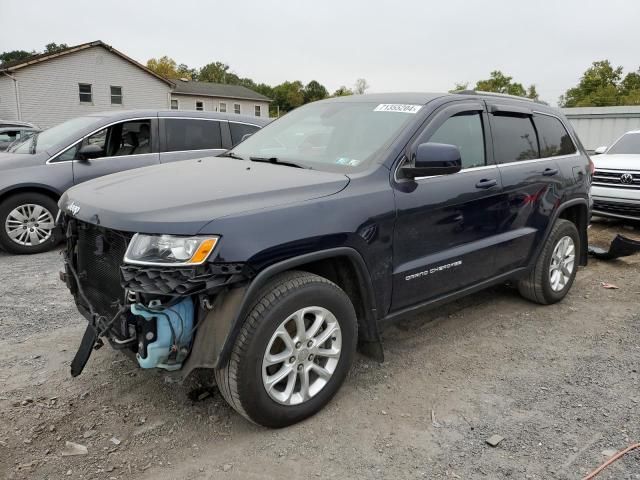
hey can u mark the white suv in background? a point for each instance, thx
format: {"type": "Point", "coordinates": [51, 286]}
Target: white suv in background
{"type": "Point", "coordinates": [616, 182]}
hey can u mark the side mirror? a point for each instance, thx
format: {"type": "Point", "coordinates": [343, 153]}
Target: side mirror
{"type": "Point", "coordinates": [90, 151]}
{"type": "Point", "coordinates": [433, 159]}
{"type": "Point", "coordinates": [600, 150]}
{"type": "Point", "coordinates": [245, 136]}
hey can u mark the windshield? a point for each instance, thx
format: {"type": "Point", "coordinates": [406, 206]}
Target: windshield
{"type": "Point", "coordinates": [629, 143]}
{"type": "Point", "coordinates": [52, 136]}
{"type": "Point", "coordinates": [333, 136]}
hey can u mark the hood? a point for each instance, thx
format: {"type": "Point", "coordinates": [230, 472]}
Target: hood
{"type": "Point", "coordinates": [617, 162]}
{"type": "Point", "coordinates": [182, 197]}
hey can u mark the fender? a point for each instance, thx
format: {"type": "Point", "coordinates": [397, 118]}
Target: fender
{"type": "Point", "coordinates": [221, 327]}
{"type": "Point", "coordinates": [28, 187]}
{"type": "Point", "coordinates": [583, 233]}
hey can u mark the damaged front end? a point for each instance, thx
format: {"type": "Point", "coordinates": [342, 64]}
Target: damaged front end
{"type": "Point", "coordinates": [161, 315]}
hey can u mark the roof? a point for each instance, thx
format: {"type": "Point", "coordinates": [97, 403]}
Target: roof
{"type": "Point", "coordinates": [208, 89]}
{"type": "Point", "coordinates": [602, 112]}
{"type": "Point", "coordinates": [405, 97]}
{"type": "Point", "coordinates": [43, 57]}
{"type": "Point", "coordinates": [114, 115]}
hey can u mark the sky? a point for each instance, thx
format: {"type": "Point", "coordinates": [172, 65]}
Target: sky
{"type": "Point", "coordinates": [411, 45]}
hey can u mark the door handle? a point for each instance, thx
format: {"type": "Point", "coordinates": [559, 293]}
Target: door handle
{"type": "Point", "coordinates": [549, 172]}
{"type": "Point", "coordinates": [487, 183]}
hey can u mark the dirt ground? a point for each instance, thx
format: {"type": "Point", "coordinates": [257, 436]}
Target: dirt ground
{"type": "Point", "coordinates": [559, 383]}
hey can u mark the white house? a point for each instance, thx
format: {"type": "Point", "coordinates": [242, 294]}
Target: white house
{"type": "Point", "coordinates": [218, 97]}
{"type": "Point", "coordinates": [50, 88]}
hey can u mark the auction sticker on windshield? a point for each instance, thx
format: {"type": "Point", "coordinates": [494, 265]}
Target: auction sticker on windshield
{"type": "Point", "coordinates": [397, 107]}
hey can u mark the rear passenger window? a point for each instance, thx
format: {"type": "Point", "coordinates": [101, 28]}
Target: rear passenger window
{"type": "Point", "coordinates": [189, 134]}
{"type": "Point", "coordinates": [514, 138]}
{"type": "Point", "coordinates": [554, 138]}
{"type": "Point", "coordinates": [239, 130]}
{"type": "Point", "coordinates": [465, 132]}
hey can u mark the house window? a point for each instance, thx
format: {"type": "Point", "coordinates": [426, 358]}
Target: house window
{"type": "Point", "coordinates": [200, 106]}
{"type": "Point", "coordinates": [257, 110]}
{"type": "Point", "coordinates": [85, 92]}
{"type": "Point", "coordinates": [174, 104]}
{"type": "Point", "coordinates": [236, 108]}
{"type": "Point", "coordinates": [116, 95]}
{"type": "Point", "coordinates": [223, 107]}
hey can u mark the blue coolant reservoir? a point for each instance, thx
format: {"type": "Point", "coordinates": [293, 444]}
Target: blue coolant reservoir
{"type": "Point", "coordinates": [174, 326]}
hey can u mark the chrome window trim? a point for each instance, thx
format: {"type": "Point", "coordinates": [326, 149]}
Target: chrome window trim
{"type": "Point", "coordinates": [464, 170]}
{"type": "Point", "coordinates": [615, 170]}
{"type": "Point", "coordinates": [53, 157]}
{"type": "Point", "coordinates": [188, 151]}
{"type": "Point", "coordinates": [544, 159]}
{"type": "Point", "coordinates": [245, 123]}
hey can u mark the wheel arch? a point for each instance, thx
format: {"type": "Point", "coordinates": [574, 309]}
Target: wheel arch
{"type": "Point", "coordinates": [30, 188]}
{"type": "Point", "coordinates": [342, 265]}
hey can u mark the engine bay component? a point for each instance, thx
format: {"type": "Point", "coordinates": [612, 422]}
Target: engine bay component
{"type": "Point", "coordinates": [164, 333]}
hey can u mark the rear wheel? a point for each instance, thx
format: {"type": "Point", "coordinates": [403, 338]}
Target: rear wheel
{"type": "Point", "coordinates": [555, 270]}
{"type": "Point", "coordinates": [27, 222]}
{"type": "Point", "coordinates": [293, 353]}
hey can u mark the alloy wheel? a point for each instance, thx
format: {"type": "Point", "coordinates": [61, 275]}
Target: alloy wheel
{"type": "Point", "coordinates": [29, 225]}
{"type": "Point", "coordinates": [562, 263]}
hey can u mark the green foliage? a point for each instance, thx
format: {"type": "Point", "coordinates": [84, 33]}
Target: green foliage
{"type": "Point", "coordinates": [314, 91]}
{"type": "Point", "coordinates": [360, 86]}
{"type": "Point", "coordinates": [54, 47]}
{"type": "Point", "coordinates": [163, 66]}
{"type": "Point", "coordinates": [603, 85]}
{"type": "Point", "coordinates": [498, 82]}
{"type": "Point", "coordinates": [342, 92]}
{"type": "Point", "coordinates": [288, 95]}
{"type": "Point", "coordinates": [6, 57]}
{"type": "Point", "coordinates": [459, 87]}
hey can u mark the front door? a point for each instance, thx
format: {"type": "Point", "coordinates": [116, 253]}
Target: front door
{"type": "Point", "coordinates": [125, 145]}
{"type": "Point", "coordinates": [446, 225]}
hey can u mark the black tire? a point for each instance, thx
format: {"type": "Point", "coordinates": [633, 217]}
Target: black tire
{"type": "Point", "coordinates": [537, 285]}
{"type": "Point", "coordinates": [240, 380]}
{"type": "Point", "coordinates": [25, 198]}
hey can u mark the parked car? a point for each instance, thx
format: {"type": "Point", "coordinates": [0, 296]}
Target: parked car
{"type": "Point", "coordinates": [16, 123]}
{"type": "Point", "coordinates": [271, 265]}
{"type": "Point", "coordinates": [616, 183]}
{"type": "Point", "coordinates": [35, 172]}
{"type": "Point", "coordinates": [12, 135]}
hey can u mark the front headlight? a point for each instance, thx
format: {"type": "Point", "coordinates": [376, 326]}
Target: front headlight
{"type": "Point", "coordinates": [169, 250]}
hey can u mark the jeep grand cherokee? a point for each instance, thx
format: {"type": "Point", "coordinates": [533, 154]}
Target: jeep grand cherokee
{"type": "Point", "coordinates": [272, 265]}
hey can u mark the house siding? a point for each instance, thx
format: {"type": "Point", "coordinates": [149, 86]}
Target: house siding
{"type": "Point", "coordinates": [49, 90]}
{"type": "Point", "coordinates": [211, 104]}
{"type": "Point", "coordinates": [8, 109]}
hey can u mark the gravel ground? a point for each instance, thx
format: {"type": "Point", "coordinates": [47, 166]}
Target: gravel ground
{"type": "Point", "coordinates": [559, 383]}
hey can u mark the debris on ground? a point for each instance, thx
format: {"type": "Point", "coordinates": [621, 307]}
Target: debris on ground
{"type": "Point", "coordinates": [621, 246]}
{"type": "Point", "coordinates": [73, 449]}
{"type": "Point", "coordinates": [609, 286]}
{"type": "Point", "coordinates": [494, 440]}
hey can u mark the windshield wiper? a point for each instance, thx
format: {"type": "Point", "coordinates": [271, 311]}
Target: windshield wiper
{"type": "Point", "coordinates": [231, 155]}
{"type": "Point", "coordinates": [276, 161]}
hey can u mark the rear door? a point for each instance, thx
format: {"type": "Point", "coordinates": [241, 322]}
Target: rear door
{"type": "Point", "coordinates": [126, 145]}
{"type": "Point", "coordinates": [526, 151]}
{"type": "Point", "coordinates": [184, 138]}
{"type": "Point", "coordinates": [446, 225]}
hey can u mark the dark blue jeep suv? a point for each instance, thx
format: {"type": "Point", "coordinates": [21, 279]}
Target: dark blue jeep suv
{"type": "Point", "coordinates": [271, 266]}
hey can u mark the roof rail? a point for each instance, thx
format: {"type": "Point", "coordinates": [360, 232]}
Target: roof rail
{"type": "Point", "coordinates": [494, 94]}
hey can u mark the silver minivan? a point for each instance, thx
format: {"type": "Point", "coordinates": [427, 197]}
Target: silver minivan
{"type": "Point", "coordinates": [34, 173]}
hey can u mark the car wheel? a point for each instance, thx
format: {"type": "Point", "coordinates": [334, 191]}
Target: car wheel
{"type": "Point", "coordinates": [27, 223]}
{"type": "Point", "coordinates": [555, 270]}
{"type": "Point", "coordinates": [293, 353]}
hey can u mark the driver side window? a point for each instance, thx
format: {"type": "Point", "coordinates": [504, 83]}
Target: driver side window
{"type": "Point", "coordinates": [465, 131]}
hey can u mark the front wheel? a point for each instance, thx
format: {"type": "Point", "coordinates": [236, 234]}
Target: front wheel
{"type": "Point", "coordinates": [555, 269]}
{"type": "Point", "coordinates": [293, 352]}
{"type": "Point", "coordinates": [27, 223]}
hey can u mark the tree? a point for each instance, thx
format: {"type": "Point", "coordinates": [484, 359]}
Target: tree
{"type": "Point", "coordinates": [459, 87]}
{"type": "Point", "coordinates": [164, 66]}
{"type": "Point", "coordinates": [217, 72]}
{"type": "Point", "coordinates": [183, 71]}
{"type": "Point", "coordinates": [6, 57]}
{"type": "Point", "coordinates": [599, 86]}
{"type": "Point", "coordinates": [54, 47]}
{"type": "Point", "coordinates": [630, 89]}
{"type": "Point", "coordinates": [288, 95]}
{"type": "Point", "coordinates": [360, 86]}
{"type": "Point", "coordinates": [498, 82]}
{"type": "Point", "coordinates": [314, 91]}
{"type": "Point", "coordinates": [342, 92]}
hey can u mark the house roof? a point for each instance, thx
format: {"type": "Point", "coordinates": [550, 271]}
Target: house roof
{"type": "Point", "coordinates": [43, 57]}
{"type": "Point", "coordinates": [208, 89]}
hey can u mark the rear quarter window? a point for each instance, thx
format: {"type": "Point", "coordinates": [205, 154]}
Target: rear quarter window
{"type": "Point", "coordinates": [514, 138]}
{"type": "Point", "coordinates": [239, 130]}
{"type": "Point", "coordinates": [554, 138]}
{"type": "Point", "coordinates": [192, 134]}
